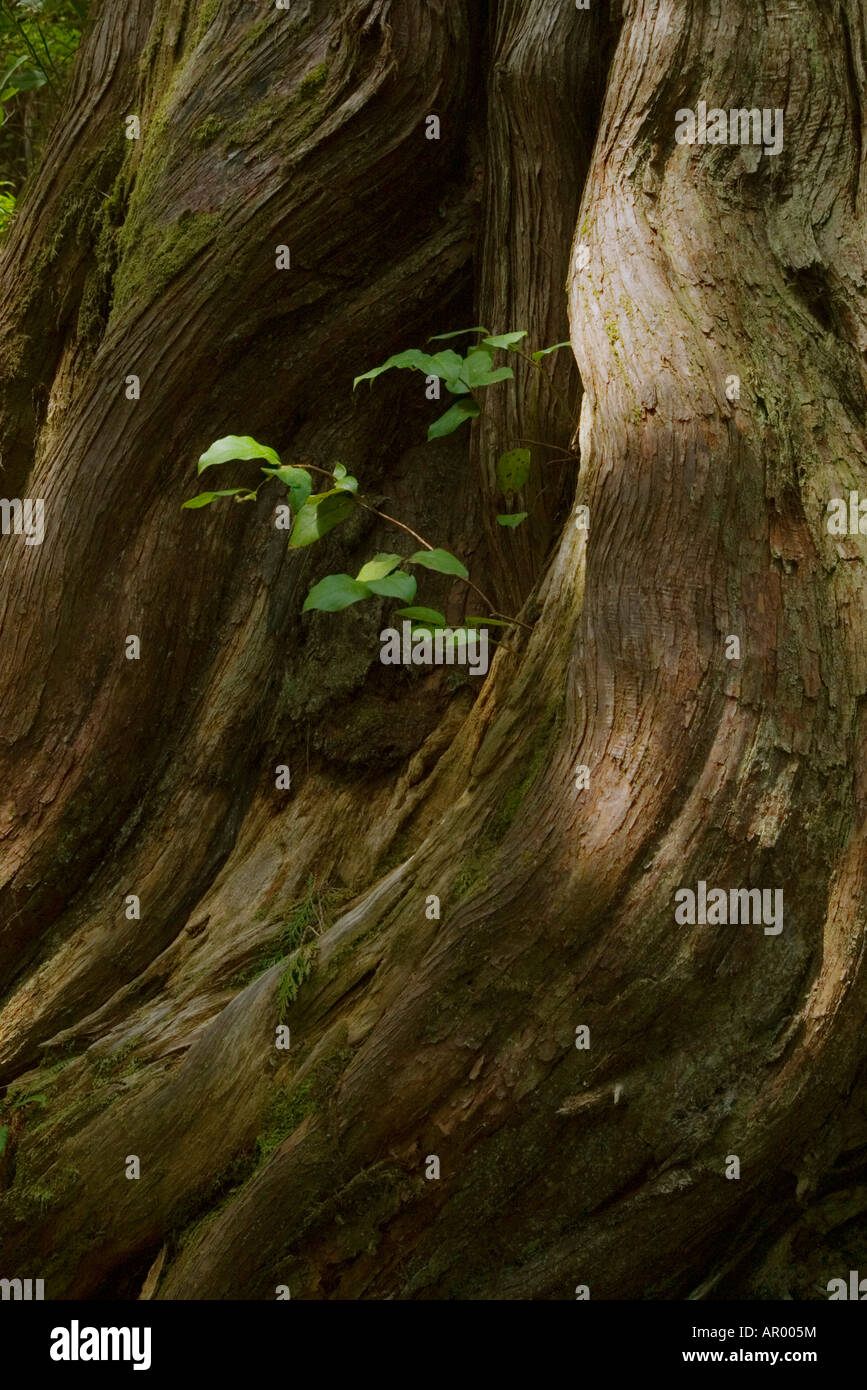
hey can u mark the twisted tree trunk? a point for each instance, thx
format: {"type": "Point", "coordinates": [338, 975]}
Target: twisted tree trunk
{"type": "Point", "coordinates": [413, 1036]}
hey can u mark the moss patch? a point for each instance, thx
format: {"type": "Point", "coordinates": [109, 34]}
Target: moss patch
{"type": "Point", "coordinates": [115, 1064]}
{"type": "Point", "coordinates": [208, 130]}
{"type": "Point", "coordinates": [205, 1204]}
{"type": "Point", "coordinates": [313, 80]}
{"type": "Point", "coordinates": [151, 256]}
{"type": "Point", "coordinates": [283, 110]}
{"type": "Point", "coordinates": [293, 1103]}
{"type": "Point", "coordinates": [30, 1200]}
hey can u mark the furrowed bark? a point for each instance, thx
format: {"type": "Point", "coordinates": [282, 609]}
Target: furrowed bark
{"type": "Point", "coordinates": [454, 1037]}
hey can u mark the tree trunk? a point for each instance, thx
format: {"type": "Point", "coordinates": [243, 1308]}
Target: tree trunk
{"type": "Point", "coordinates": [412, 1036]}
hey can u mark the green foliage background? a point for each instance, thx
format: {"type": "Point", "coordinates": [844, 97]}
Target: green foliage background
{"type": "Point", "coordinates": [38, 39]}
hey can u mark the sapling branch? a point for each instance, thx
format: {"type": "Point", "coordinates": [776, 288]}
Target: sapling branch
{"type": "Point", "coordinates": [427, 545]}
{"type": "Point", "coordinates": [313, 516]}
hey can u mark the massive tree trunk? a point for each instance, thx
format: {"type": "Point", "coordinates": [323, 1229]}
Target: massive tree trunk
{"type": "Point", "coordinates": [411, 1036]}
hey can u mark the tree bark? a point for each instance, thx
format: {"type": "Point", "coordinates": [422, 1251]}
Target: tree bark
{"type": "Point", "coordinates": [411, 1036]}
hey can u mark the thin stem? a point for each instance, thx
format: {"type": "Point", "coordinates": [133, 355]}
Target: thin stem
{"type": "Point", "coordinates": [568, 453]}
{"type": "Point", "coordinates": [427, 545]}
{"type": "Point", "coordinates": [483, 596]}
{"type": "Point", "coordinates": [554, 391]}
{"type": "Point", "coordinates": [47, 53]}
{"type": "Point", "coordinates": [393, 521]}
{"type": "Point", "coordinates": [311, 468]}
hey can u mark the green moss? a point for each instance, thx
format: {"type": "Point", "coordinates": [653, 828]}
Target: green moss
{"type": "Point", "coordinates": [27, 1096]}
{"type": "Point", "coordinates": [292, 1104]}
{"type": "Point", "coordinates": [28, 1201]}
{"type": "Point", "coordinates": [152, 255]}
{"type": "Point", "coordinates": [313, 80]}
{"type": "Point", "coordinates": [149, 53]}
{"type": "Point", "coordinates": [628, 307]}
{"type": "Point", "coordinates": [284, 112]}
{"type": "Point", "coordinates": [284, 1115]}
{"type": "Point", "coordinates": [298, 970]}
{"type": "Point", "coordinates": [78, 222]}
{"type": "Point", "coordinates": [114, 1064]}
{"type": "Point", "coordinates": [255, 32]}
{"type": "Point", "coordinates": [251, 127]}
{"type": "Point", "coordinates": [207, 14]}
{"type": "Point", "coordinates": [208, 130]}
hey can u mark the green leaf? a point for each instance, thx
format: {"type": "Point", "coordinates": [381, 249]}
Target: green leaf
{"type": "Point", "coordinates": [4, 1134]}
{"type": "Point", "coordinates": [441, 561]}
{"type": "Point", "coordinates": [487, 622]}
{"type": "Point", "coordinates": [205, 497]}
{"type": "Point", "coordinates": [335, 592]}
{"type": "Point", "coordinates": [236, 446]}
{"type": "Point", "coordinates": [450, 367]}
{"type": "Point", "coordinates": [413, 357]}
{"type": "Point", "coordinates": [499, 374]}
{"type": "Point", "coordinates": [343, 481]}
{"type": "Point", "coordinates": [479, 369]}
{"type": "Point", "coordinates": [460, 333]}
{"type": "Point", "coordinates": [6, 79]}
{"type": "Point", "coordinates": [506, 340]}
{"type": "Point", "coordinates": [543, 352]}
{"type": "Point", "coordinates": [298, 482]}
{"type": "Point", "coordinates": [453, 418]}
{"type": "Point", "coordinates": [27, 81]}
{"type": "Point", "coordinates": [446, 364]}
{"type": "Point", "coordinates": [398, 585]}
{"type": "Point", "coordinates": [512, 518]}
{"type": "Point", "coordinates": [513, 470]}
{"type": "Point", "coordinates": [427, 615]}
{"type": "Point", "coordinates": [377, 568]}
{"type": "Point", "coordinates": [318, 516]}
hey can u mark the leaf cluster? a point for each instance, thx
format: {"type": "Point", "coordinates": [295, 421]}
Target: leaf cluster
{"type": "Point", "coordinates": [315, 514]}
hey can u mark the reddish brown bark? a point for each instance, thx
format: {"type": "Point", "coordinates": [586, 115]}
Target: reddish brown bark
{"type": "Point", "coordinates": [413, 1036]}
